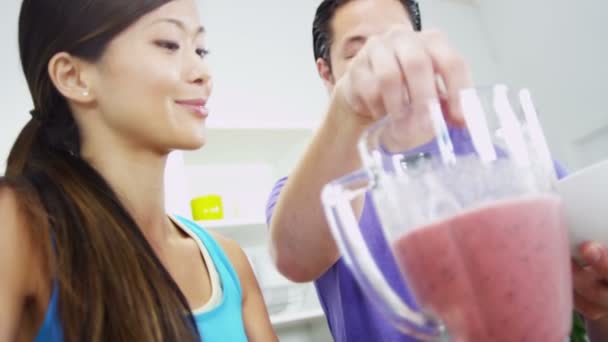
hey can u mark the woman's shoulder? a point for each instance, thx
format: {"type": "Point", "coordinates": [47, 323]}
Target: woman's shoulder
{"type": "Point", "coordinates": [231, 249]}
{"type": "Point", "coordinates": [15, 238]}
{"type": "Point", "coordinates": [240, 262]}
{"type": "Point", "coordinates": [22, 248]}
{"type": "Point", "coordinates": [18, 257]}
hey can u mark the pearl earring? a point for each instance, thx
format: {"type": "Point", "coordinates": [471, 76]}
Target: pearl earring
{"type": "Point", "coordinates": [85, 93]}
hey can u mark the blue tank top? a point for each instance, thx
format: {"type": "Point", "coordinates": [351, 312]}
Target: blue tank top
{"type": "Point", "coordinates": [222, 323]}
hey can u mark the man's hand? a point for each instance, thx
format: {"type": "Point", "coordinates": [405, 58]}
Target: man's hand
{"type": "Point", "coordinates": [591, 281]}
{"type": "Point", "coordinates": [399, 68]}
{"type": "Point", "coordinates": [591, 289]}
{"type": "Point", "coordinates": [390, 74]}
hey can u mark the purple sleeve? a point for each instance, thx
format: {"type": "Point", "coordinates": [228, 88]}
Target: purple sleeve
{"type": "Point", "coordinates": [274, 196]}
{"type": "Point", "coordinates": [560, 170]}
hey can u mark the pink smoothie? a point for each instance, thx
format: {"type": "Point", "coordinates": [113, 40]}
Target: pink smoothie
{"type": "Point", "coordinates": [497, 273]}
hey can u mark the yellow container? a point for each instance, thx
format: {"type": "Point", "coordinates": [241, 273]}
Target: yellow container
{"type": "Point", "coordinates": [207, 207]}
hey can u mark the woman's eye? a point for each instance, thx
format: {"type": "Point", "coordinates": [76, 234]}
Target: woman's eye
{"type": "Point", "coordinates": [167, 44]}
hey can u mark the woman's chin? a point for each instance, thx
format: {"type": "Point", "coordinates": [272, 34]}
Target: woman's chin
{"type": "Point", "coordinates": [186, 140]}
{"type": "Point", "coordinates": [193, 144]}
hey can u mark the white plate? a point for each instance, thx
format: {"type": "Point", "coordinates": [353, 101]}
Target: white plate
{"type": "Point", "coordinates": [585, 196]}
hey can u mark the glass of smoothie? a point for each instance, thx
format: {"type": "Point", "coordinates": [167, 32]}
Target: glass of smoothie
{"type": "Point", "coordinates": [470, 215]}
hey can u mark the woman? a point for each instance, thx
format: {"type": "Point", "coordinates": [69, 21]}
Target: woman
{"type": "Point", "coordinates": [86, 249]}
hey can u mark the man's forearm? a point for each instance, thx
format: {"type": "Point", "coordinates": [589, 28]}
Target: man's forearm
{"type": "Point", "coordinates": [302, 244]}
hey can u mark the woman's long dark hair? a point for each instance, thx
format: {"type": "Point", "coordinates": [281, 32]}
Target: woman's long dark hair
{"type": "Point", "coordinates": [112, 286]}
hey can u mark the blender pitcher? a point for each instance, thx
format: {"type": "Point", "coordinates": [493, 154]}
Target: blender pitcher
{"type": "Point", "coordinates": [471, 218]}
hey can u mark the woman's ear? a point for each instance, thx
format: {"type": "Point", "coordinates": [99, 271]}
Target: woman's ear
{"type": "Point", "coordinates": [70, 75]}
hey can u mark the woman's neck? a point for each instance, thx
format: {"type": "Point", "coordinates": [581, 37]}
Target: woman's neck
{"type": "Point", "coordinates": [137, 178]}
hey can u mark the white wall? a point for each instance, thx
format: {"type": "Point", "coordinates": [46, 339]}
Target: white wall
{"type": "Point", "coordinates": [14, 96]}
{"type": "Point", "coordinates": [462, 22]}
{"type": "Point", "coordinates": [262, 61]}
{"type": "Point", "coordinates": [559, 49]}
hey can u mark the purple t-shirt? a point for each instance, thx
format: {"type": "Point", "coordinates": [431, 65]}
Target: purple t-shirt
{"type": "Point", "coordinates": [350, 315]}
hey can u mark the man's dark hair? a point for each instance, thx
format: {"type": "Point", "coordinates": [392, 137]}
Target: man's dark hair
{"type": "Point", "coordinates": [321, 27]}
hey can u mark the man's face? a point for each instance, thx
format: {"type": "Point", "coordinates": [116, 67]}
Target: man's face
{"type": "Point", "coordinates": [352, 24]}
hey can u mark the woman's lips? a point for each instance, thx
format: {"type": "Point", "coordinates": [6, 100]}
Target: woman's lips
{"type": "Point", "coordinates": [196, 106]}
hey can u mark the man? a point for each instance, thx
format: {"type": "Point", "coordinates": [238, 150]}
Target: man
{"type": "Point", "coordinates": [374, 59]}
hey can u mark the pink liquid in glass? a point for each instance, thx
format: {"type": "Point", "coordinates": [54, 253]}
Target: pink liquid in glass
{"type": "Point", "coordinates": [497, 273]}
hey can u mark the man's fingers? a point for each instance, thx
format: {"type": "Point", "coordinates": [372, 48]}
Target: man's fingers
{"type": "Point", "coordinates": [588, 309]}
{"type": "Point", "coordinates": [595, 256]}
{"type": "Point", "coordinates": [452, 69]}
{"type": "Point", "coordinates": [391, 91]}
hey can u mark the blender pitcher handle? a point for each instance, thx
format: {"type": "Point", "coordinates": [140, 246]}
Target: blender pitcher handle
{"type": "Point", "coordinates": [336, 198]}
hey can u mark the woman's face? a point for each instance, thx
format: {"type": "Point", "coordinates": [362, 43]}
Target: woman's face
{"type": "Point", "coordinates": [152, 82]}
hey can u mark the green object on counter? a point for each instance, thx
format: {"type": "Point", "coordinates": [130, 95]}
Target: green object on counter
{"type": "Point", "coordinates": [207, 207]}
